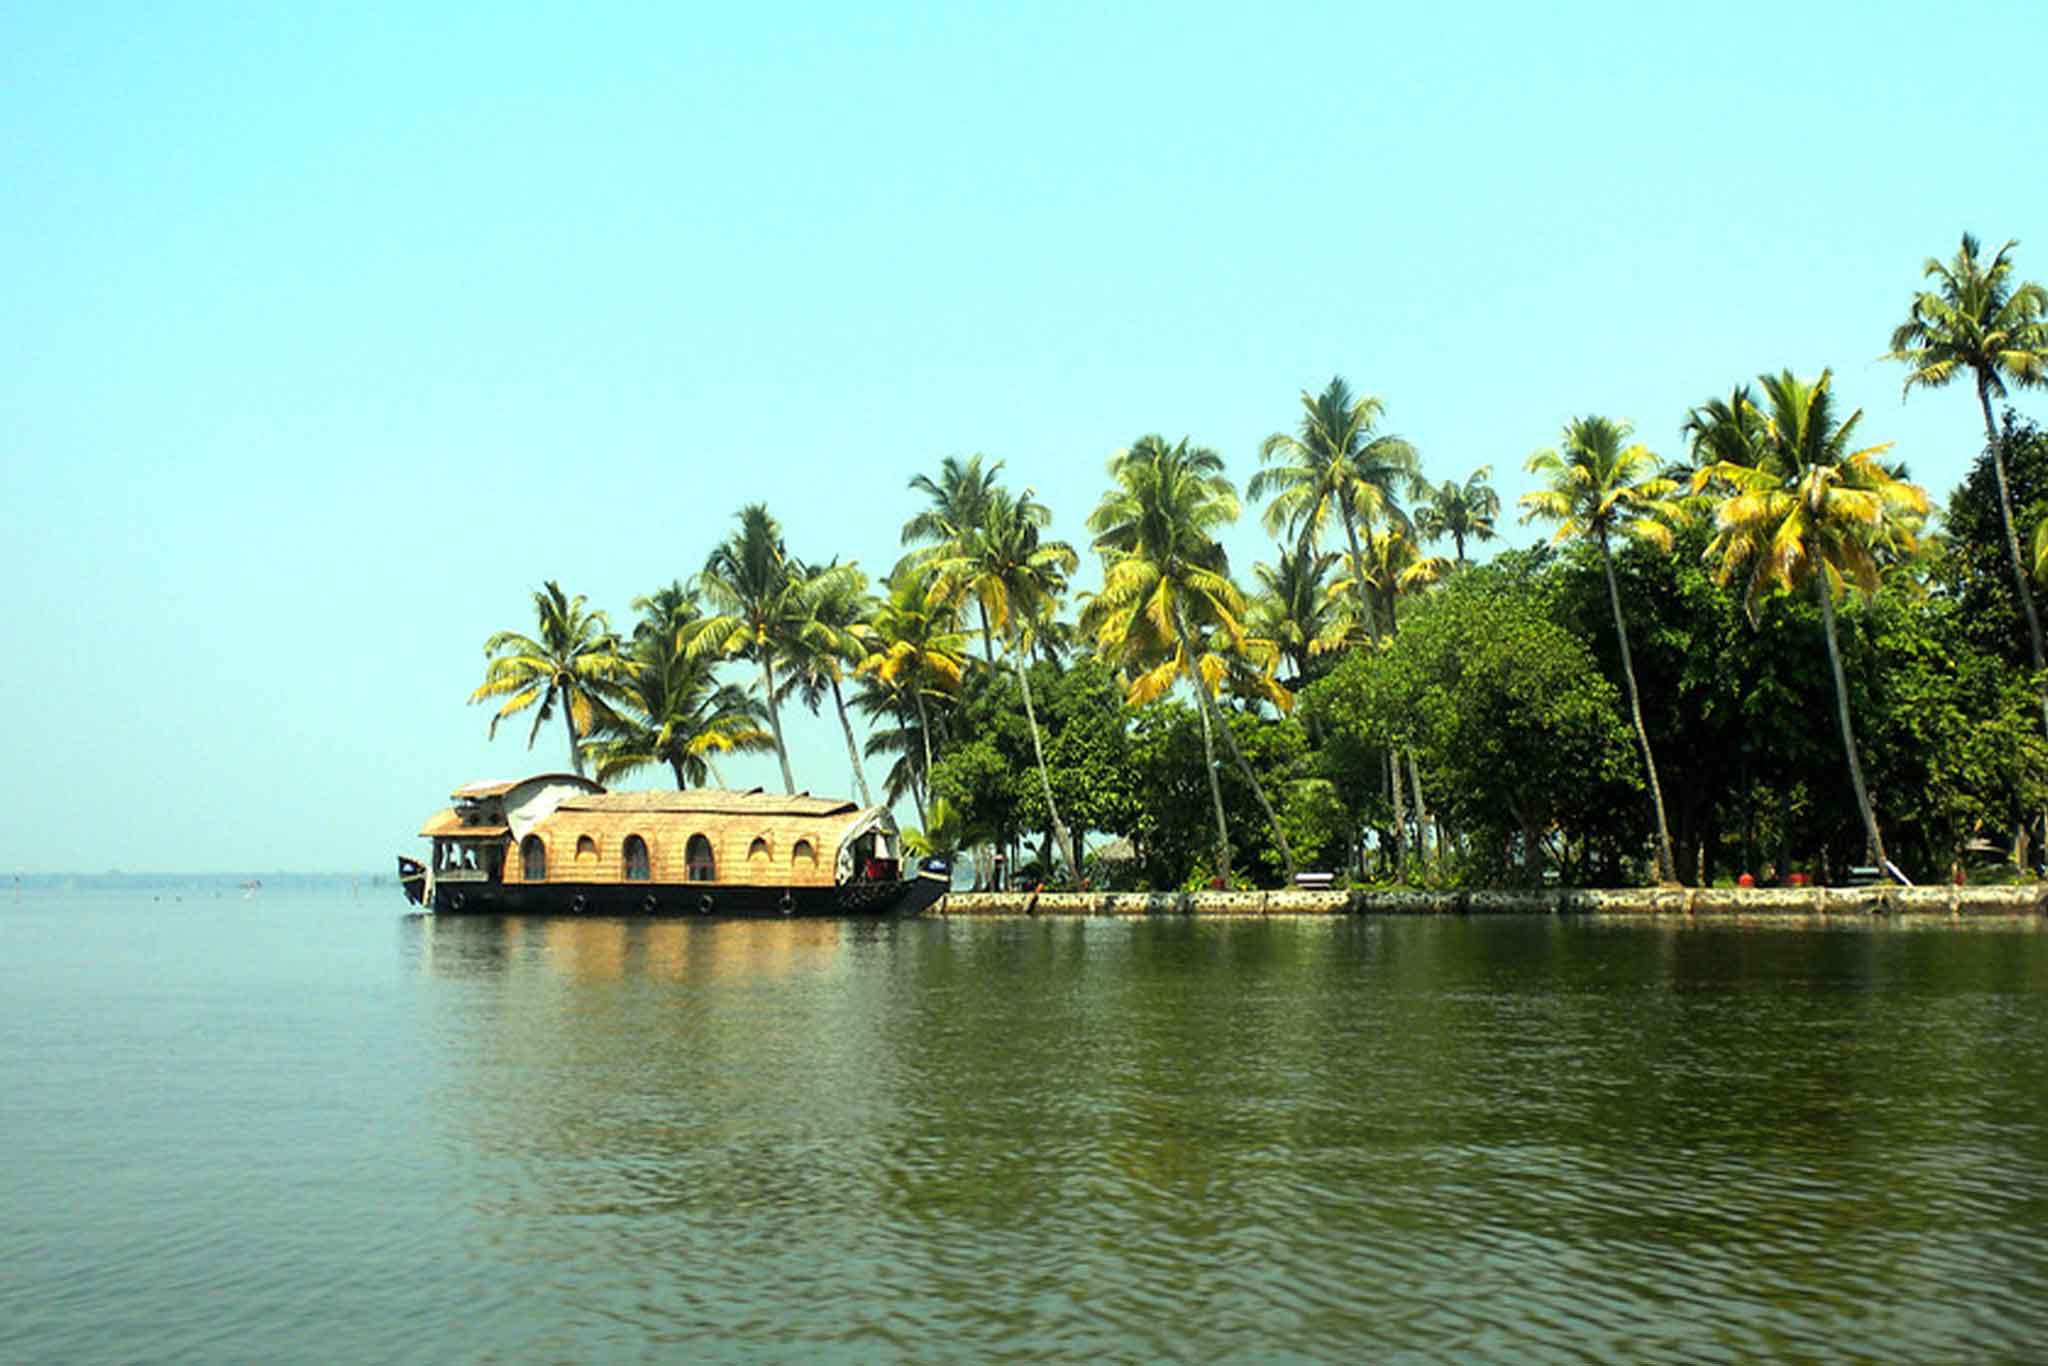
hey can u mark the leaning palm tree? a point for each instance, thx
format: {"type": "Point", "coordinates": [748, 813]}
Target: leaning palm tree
{"type": "Point", "coordinates": [1977, 319]}
{"type": "Point", "coordinates": [1602, 486]}
{"type": "Point", "coordinates": [826, 647]}
{"type": "Point", "coordinates": [576, 663]}
{"type": "Point", "coordinates": [1337, 469]}
{"type": "Point", "coordinates": [759, 600]}
{"type": "Point", "coordinates": [1812, 510]}
{"type": "Point", "coordinates": [676, 713]}
{"type": "Point", "coordinates": [1166, 579]}
{"type": "Point", "coordinates": [1460, 511]}
{"type": "Point", "coordinates": [1016, 579]}
{"type": "Point", "coordinates": [959, 501]}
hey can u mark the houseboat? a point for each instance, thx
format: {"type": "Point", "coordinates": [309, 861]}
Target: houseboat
{"type": "Point", "coordinates": [559, 844]}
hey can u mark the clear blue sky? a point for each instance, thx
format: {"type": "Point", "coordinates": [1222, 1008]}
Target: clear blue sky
{"type": "Point", "coordinates": [330, 332]}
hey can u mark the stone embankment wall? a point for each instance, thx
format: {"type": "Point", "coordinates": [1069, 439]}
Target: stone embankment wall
{"type": "Point", "coordinates": [1718, 902]}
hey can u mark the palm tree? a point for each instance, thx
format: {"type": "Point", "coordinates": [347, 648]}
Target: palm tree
{"type": "Point", "coordinates": [1811, 510]}
{"type": "Point", "coordinates": [1293, 610]}
{"type": "Point", "coordinates": [1165, 575]}
{"type": "Point", "coordinates": [1337, 468]}
{"type": "Point", "coordinates": [1460, 511]}
{"type": "Point", "coordinates": [959, 501]}
{"type": "Point", "coordinates": [1016, 580]}
{"type": "Point", "coordinates": [1394, 567]}
{"type": "Point", "coordinates": [760, 598]}
{"type": "Point", "coordinates": [1601, 487]}
{"type": "Point", "coordinates": [576, 664]}
{"type": "Point", "coordinates": [675, 712]}
{"type": "Point", "coordinates": [915, 651]}
{"type": "Point", "coordinates": [828, 646]}
{"type": "Point", "coordinates": [1977, 319]}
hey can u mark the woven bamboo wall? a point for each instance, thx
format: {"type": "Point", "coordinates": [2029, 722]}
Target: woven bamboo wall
{"type": "Point", "coordinates": [733, 845]}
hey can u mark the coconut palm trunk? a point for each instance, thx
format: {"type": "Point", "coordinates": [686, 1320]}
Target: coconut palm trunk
{"type": "Point", "coordinates": [1667, 863]}
{"type": "Point", "coordinates": [775, 723]}
{"type": "Point", "coordinates": [860, 776]}
{"type": "Point", "coordinates": [2012, 547]}
{"type": "Point", "coordinates": [924, 734]}
{"type": "Point", "coordinates": [1421, 814]}
{"type": "Point", "coordinates": [2012, 540]}
{"type": "Point", "coordinates": [575, 750]}
{"type": "Point", "coordinates": [1209, 765]}
{"type": "Point", "coordinates": [1372, 630]}
{"type": "Point", "coordinates": [1206, 702]}
{"type": "Point", "coordinates": [1059, 827]}
{"type": "Point", "coordinates": [1863, 806]}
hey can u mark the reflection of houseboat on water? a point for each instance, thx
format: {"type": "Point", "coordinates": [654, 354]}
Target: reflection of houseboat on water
{"type": "Point", "coordinates": [557, 844]}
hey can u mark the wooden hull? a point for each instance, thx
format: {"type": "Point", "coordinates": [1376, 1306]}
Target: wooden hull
{"type": "Point", "coordinates": [909, 896]}
{"type": "Point", "coordinates": [412, 879]}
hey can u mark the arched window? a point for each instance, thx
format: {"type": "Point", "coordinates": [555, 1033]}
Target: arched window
{"type": "Point", "coordinates": [586, 848]}
{"type": "Point", "coordinates": [697, 856]}
{"type": "Point", "coordinates": [758, 850]}
{"type": "Point", "coordinates": [803, 852]}
{"type": "Point", "coordinates": [533, 859]}
{"type": "Point", "coordinates": [636, 859]}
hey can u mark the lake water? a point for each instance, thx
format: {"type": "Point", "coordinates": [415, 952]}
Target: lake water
{"type": "Point", "coordinates": [304, 1127]}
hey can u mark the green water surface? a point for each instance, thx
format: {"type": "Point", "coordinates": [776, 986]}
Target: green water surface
{"type": "Point", "coordinates": [304, 1127]}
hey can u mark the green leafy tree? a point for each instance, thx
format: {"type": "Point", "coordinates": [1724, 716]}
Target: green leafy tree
{"type": "Point", "coordinates": [1956, 747]}
{"type": "Point", "coordinates": [1601, 486]}
{"type": "Point", "coordinates": [575, 663]}
{"type": "Point", "coordinates": [1500, 702]}
{"type": "Point", "coordinates": [1813, 511]}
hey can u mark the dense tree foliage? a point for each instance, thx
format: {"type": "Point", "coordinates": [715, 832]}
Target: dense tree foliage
{"type": "Point", "coordinates": [1764, 659]}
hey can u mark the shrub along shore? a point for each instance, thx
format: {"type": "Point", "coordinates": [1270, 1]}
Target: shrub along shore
{"type": "Point", "coordinates": [1831, 903]}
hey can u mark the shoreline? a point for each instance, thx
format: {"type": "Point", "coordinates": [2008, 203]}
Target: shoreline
{"type": "Point", "coordinates": [1682, 903]}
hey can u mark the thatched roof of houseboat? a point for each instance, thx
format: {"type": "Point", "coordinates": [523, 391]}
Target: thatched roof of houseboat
{"type": "Point", "coordinates": [710, 802]}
